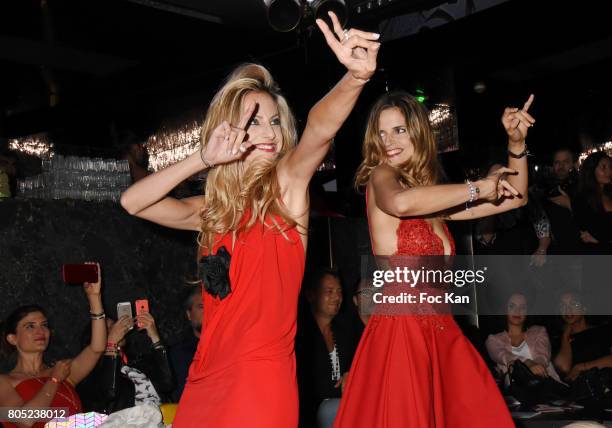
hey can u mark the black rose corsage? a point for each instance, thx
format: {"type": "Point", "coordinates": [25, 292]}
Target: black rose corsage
{"type": "Point", "coordinates": [214, 272]}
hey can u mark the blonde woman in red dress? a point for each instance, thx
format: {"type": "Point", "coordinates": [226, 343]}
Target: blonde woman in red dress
{"type": "Point", "coordinates": [419, 371]}
{"type": "Point", "coordinates": [253, 218]}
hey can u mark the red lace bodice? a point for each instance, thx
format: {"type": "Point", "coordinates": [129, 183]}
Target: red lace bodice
{"type": "Point", "coordinates": [416, 237]}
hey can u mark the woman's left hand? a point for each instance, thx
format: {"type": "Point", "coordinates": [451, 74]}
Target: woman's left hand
{"type": "Point", "coordinates": [356, 50]}
{"type": "Point", "coordinates": [517, 121]}
{"type": "Point", "coordinates": [147, 322]}
{"type": "Point", "coordinates": [93, 288]}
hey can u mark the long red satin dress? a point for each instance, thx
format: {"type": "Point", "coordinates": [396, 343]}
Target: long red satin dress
{"type": "Point", "coordinates": [243, 372]}
{"type": "Point", "coordinates": [66, 396]}
{"type": "Point", "coordinates": [419, 371]}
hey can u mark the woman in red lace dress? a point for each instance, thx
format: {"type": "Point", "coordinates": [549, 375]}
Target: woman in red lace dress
{"type": "Point", "coordinates": [254, 212]}
{"type": "Point", "coordinates": [33, 384]}
{"type": "Point", "coordinates": [415, 371]}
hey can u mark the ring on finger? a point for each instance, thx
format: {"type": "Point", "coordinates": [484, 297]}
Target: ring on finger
{"type": "Point", "coordinates": [346, 34]}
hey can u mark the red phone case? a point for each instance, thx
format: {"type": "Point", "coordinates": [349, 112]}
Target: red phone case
{"type": "Point", "coordinates": [78, 274]}
{"type": "Point", "coordinates": [141, 306]}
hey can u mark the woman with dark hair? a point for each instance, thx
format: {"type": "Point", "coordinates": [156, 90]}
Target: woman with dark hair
{"type": "Point", "coordinates": [593, 207]}
{"type": "Point", "coordinates": [520, 341]}
{"type": "Point", "coordinates": [417, 369]}
{"type": "Point", "coordinates": [34, 384]}
{"type": "Point", "coordinates": [132, 372]}
{"type": "Point", "coordinates": [583, 345]}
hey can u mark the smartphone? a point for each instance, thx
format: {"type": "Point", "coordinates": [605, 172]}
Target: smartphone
{"type": "Point", "coordinates": [141, 306]}
{"type": "Point", "coordinates": [78, 274]}
{"type": "Point", "coordinates": [124, 309]}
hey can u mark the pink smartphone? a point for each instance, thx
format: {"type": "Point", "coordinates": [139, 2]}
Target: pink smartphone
{"type": "Point", "coordinates": [141, 306]}
{"type": "Point", "coordinates": [78, 274]}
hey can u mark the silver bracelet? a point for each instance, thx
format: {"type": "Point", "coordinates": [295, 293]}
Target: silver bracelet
{"type": "Point", "coordinates": [473, 190]}
{"type": "Point", "coordinates": [99, 316]}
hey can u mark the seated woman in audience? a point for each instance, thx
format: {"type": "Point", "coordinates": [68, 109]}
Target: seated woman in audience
{"type": "Point", "coordinates": [34, 384]}
{"type": "Point", "coordinates": [593, 207]}
{"type": "Point", "coordinates": [583, 346]}
{"type": "Point", "coordinates": [324, 345]}
{"type": "Point", "coordinates": [125, 377]}
{"type": "Point", "coordinates": [520, 342]}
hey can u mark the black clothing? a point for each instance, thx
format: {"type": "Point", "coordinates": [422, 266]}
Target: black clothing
{"type": "Point", "coordinates": [107, 390]}
{"type": "Point", "coordinates": [181, 356]}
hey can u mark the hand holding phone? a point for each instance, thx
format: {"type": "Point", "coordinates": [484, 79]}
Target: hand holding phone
{"type": "Point", "coordinates": [142, 306]}
{"type": "Point", "coordinates": [80, 273]}
{"type": "Point", "coordinates": [124, 309]}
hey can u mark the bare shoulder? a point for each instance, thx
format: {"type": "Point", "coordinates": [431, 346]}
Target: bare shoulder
{"type": "Point", "coordinates": [382, 172]}
{"type": "Point", "coordinates": [7, 380]}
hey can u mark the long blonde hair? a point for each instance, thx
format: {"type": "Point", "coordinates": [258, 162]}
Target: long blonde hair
{"type": "Point", "coordinates": [231, 190]}
{"type": "Point", "coordinates": [422, 168]}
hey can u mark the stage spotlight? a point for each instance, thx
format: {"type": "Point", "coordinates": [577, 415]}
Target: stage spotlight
{"type": "Point", "coordinates": [283, 15]}
{"type": "Point", "coordinates": [321, 7]}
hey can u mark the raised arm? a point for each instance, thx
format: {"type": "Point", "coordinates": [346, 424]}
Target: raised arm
{"type": "Point", "coordinates": [516, 123]}
{"type": "Point", "coordinates": [84, 363]}
{"type": "Point", "coordinates": [147, 198]}
{"type": "Point", "coordinates": [357, 51]}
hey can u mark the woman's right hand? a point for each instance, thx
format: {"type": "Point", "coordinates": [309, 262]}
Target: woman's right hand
{"type": "Point", "coordinates": [226, 143]}
{"type": "Point", "coordinates": [538, 370]}
{"type": "Point", "coordinates": [61, 370]}
{"type": "Point", "coordinates": [120, 329]}
{"type": "Point", "coordinates": [495, 186]}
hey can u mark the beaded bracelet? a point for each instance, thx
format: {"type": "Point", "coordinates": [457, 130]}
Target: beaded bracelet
{"type": "Point", "coordinates": [473, 191]}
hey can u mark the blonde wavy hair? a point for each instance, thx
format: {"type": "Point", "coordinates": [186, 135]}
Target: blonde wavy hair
{"type": "Point", "coordinates": [232, 190]}
{"type": "Point", "coordinates": [422, 168]}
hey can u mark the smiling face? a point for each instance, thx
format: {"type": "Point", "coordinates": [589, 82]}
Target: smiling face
{"type": "Point", "coordinates": [264, 129]}
{"type": "Point", "coordinates": [32, 333]}
{"type": "Point", "coordinates": [328, 297]}
{"type": "Point", "coordinates": [393, 134]}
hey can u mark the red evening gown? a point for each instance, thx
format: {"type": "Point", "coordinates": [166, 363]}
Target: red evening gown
{"type": "Point", "coordinates": [419, 371]}
{"type": "Point", "coordinates": [243, 372]}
